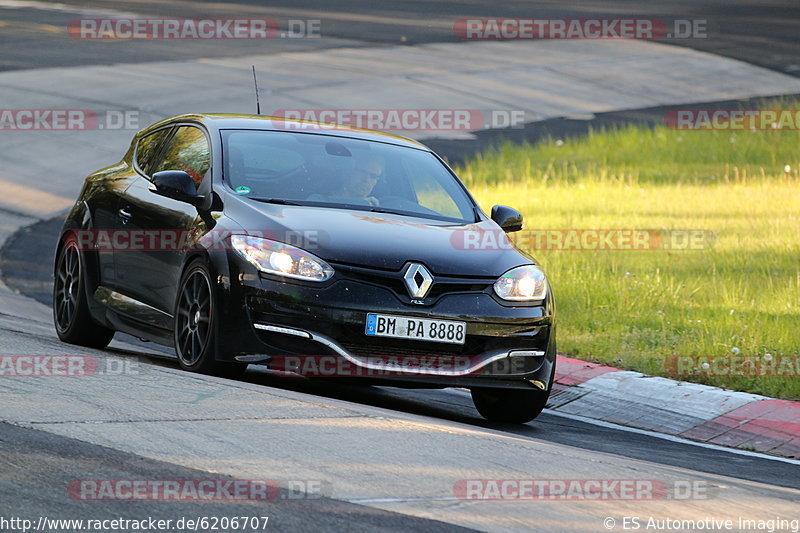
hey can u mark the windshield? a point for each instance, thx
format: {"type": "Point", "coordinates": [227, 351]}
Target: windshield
{"type": "Point", "coordinates": [324, 170]}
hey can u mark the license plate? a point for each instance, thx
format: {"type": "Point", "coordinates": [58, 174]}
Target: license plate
{"type": "Point", "coordinates": [421, 329]}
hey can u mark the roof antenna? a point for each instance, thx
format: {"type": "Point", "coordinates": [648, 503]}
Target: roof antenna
{"type": "Point", "coordinates": [255, 81]}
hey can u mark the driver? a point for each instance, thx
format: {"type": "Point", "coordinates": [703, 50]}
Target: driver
{"type": "Point", "coordinates": [359, 182]}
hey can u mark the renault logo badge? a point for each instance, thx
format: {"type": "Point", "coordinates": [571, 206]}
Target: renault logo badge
{"type": "Point", "coordinates": [418, 280]}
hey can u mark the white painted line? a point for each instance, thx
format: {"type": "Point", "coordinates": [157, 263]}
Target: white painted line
{"type": "Point", "coordinates": [672, 438]}
{"type": "Point", "coordinates": [48, 6]}
{"type": "Point", "coordinates": [403, 500]}
{"type": "Point", "coordinates": [662, 436]}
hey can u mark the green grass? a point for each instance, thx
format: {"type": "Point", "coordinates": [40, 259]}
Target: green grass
{"type": "Point", "coordinates": [636, 309]}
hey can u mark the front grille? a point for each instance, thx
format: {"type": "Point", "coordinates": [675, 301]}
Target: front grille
{"type": "Point", "coordinates": [442, 288]}
{"type": "Point", "coordinates": [393, 281]}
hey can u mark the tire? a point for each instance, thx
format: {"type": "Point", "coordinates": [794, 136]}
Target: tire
{"type": "Point", "coordinates": [515, 406]}
{"type": "Point", "coordinates": [71, 317]}
{"type": "Point", "coordinates": [195, 329]}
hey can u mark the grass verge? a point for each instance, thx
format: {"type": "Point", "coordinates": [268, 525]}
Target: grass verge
{"type": "Point", "coordinates": [733, 301]}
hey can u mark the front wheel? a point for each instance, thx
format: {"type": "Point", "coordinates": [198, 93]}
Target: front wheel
{"type": "Point", "coordinates": [515, 406]}
{"type": "Point", "coordinates": [71, 315]}
{"type": "Point", "coordinates": [196, 325]}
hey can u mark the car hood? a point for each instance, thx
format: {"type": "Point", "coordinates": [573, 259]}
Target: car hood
{"type": "Point", "coordinates": [385, 241]}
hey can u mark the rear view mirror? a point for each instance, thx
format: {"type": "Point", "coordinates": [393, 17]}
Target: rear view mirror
{"type": "Point", "coordinates": [178, 185]}
{"type": "Point", "coordinates": [508, 219]}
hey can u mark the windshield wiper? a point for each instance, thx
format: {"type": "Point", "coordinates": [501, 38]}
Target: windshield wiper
{"type": "Point", "coordinates": [279, 201]}
{"type": "Point", "coordinates": [389, 211]}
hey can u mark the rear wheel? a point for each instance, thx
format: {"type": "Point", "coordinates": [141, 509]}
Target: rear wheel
{"type": "Point", "coordinates": [516, 406]}
{"type": "Point", "coordinates": [71, 315]}
{"type": "Point", "coordinates": [196, 325]}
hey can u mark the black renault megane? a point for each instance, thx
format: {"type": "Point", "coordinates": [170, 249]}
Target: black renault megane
{"type": "Point", "coordinates": [312, 249]}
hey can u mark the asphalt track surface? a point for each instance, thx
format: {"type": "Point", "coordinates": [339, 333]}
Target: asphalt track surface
{"type": "Point", "coordinates": [35, 461]}
{"type": "Point", "coordinates": [32, 461]}
{"type": "Point", "coordinates": [760, 32]}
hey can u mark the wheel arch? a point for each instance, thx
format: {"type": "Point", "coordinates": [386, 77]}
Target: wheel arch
{"type": "Point", "coordinates": [218, 266]}
{"type": "Point", "coordinates": [80, 219]}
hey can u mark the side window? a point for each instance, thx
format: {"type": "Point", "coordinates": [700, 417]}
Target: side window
{"type": "Point", "coordinates": [148, 148]}
{"type": "Point", "coordinates": [188, 151]}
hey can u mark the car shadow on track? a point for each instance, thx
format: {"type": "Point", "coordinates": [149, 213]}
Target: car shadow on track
{"type": "Point", "coordinates": [436, 403]}
{"type": "Point", "coordinates": [455, 405]}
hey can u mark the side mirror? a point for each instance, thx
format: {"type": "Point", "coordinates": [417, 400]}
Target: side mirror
{"type": "Point", "coordinates": [178, 185]}
{"type": "Point", "coordinates": [508, 219]}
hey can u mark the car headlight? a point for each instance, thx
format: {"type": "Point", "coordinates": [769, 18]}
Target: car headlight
{"type": "Point", "coordinates": [522, 284]}
{"type": "Point", "coordinates": [281, 259]}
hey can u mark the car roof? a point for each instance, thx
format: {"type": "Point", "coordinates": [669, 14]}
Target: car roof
{"type": "Point", "coordinates": [218, 121]}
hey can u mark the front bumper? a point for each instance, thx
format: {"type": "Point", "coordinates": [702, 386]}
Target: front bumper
{"type": "Point", "coordinates": [267, 318]}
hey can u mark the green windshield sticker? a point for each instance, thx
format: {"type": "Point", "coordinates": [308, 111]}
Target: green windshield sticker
{"type": "Point", "coordinates": [242, 190]}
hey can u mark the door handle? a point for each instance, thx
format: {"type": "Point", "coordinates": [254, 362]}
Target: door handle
{"type": "Point", "coordinates": [125, 215]}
